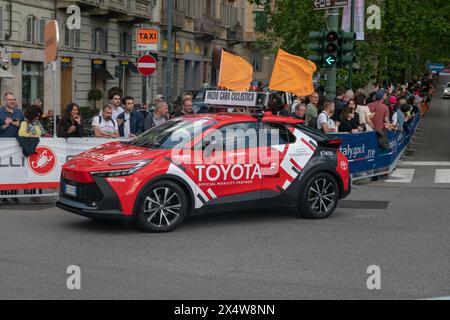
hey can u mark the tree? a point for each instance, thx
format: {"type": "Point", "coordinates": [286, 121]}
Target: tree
{"type": "Point", "coordinates": [413, 33]}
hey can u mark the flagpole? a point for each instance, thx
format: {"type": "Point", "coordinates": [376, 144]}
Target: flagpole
{"type": "Point", "coordinates": [220, 69]}
{"type": "Point", "coordinates": [352, 29]}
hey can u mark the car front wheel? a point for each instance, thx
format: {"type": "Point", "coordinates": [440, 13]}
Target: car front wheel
{"type": "Point", "coordinates": [162, 208]}
{"type": "Point", "coordinates": [320, 197]}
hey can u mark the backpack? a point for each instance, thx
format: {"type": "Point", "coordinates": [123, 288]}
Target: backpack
{"type": "Point", "coordinates": [100, 118]}
{"type": "Point", "coordinates": [313, 122]}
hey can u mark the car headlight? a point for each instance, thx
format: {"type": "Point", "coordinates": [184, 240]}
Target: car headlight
{"type": "Point", "coordinates": [137, 165]}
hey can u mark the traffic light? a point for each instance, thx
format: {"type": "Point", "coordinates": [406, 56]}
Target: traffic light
{"type": "Point", "coordinates": [347, 48]}
{"type": "Point", "coordinates": [331, 48]}
{"type": "Point", "coordinates": [316, 46]}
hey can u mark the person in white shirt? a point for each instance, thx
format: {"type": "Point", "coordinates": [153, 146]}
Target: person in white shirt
{"type": "Point", "coordinates": [324, 121]}
{"type": "Point", "coordinates": [105, 126]}
{"type": "Point", "coordinates": [365, 116]}
{"type": "Point", "coordinates": [115, 101]}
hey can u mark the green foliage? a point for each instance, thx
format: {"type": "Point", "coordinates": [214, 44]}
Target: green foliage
{"type": "Point", "coordinates": [95, 95]}
{"type": "Point", "coordinates": [413, 33]}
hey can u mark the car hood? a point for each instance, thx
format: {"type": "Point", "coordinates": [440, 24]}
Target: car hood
{"type": "Point", "coordinates": [111, 153]}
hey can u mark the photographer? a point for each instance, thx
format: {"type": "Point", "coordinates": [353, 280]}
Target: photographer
{"type": "Point", "coordinates": [10, 117]}
{"type": "Point", "coordinates": [70, 125]}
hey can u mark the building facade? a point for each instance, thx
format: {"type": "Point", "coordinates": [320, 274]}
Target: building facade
{"type": "Point", "coordinates": [102, 54]}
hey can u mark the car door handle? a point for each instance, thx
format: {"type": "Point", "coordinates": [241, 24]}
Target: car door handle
{"type": "Point", "coordinates": [236, 153]}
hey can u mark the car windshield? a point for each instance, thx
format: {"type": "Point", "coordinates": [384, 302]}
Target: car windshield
{"type": "Point", "coordinates": [172, 134]}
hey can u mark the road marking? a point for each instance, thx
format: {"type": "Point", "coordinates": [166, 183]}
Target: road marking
{"type": "Point", "coordinates": [442, 176]}
{"type": "Point", "coordinates": [425, 163]}
{"type": "Point", "coordinates": [439, 298]}
{"type": "Point", "coordinates": [402, 176]}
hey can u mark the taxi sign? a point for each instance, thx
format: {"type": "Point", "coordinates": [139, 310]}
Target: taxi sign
{"type": "Point", "coordinates": [147, 39]}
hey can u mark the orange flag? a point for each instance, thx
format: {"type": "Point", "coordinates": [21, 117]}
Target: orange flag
{"type": "Point", "coordinates": [235, 73]}
{"type": "Point", "coordinates": [292, 74]}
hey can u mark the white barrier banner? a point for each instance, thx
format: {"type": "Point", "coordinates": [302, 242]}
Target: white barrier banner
{"type": "Point", "coordinates": [43, 169]}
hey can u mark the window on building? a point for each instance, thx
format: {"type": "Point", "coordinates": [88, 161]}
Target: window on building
{"type": "Point", "coordinates": [77, 36]}
{"type": "Point", "coordinates": [100, 40]}
{"type": "Point", "coordinates": [1, 24]}
{"type": "Point", "coordinates": [32, 82]}
{"type": "Point", "coordinates": [257, 60]}
{"type": "Point", "coordinates": [66, 36]}
{"type": "Point", "coordinates": [125, 42]}
{"type": "Point", "coordinates": [72, 38]}
{"type": "Point", "coordinates": [261, 21]}
{"type": "Point", "coordinates": [42, 23]}
{"type": "Point", "coordinates": [31, 26]}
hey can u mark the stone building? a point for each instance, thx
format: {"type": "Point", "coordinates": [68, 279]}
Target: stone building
{"type": "Point", "coordinates": [102, 54]}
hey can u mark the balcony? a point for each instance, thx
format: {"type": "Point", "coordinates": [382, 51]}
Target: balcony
{"type": "Point", "coordinates": [138, 11]}
{"type": "Point", "coordinates": [206, 28]}
{"type": "Point", "coordinates": [110, 9]}
{"type": "Point", "coordinates": [178, 19]}
{"type": "Point", "coordinates": [85, 5]}
{"type": "Point", "coordinates": [235, 34]}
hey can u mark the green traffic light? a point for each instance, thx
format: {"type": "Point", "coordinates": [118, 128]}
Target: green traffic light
{"type": "Point", "coordinates": [330, 61]}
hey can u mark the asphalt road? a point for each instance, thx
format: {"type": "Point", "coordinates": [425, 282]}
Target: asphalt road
{"type": "Point", "coordinates": [401, 227]}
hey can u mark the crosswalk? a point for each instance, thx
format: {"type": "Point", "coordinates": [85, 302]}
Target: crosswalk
{"type": "Point", "coordinates": [430, 172]}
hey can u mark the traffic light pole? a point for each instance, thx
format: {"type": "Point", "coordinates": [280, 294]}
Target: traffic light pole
{"type": "Point", "coordinates": [168, 78]}
{"type": "Point", "coordinates": [352, 29]}
{"type": "Point", "coordinates": [330, 89]}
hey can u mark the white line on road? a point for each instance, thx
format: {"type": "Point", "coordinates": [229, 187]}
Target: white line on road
{"type": "Point", "coordinates": [442, 176]}
{"type": "Point", "coordinates": [425, 163]}
{"type": "Point", "coordinates": [402, 176]}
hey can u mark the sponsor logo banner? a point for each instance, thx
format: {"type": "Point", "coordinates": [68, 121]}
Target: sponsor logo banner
{"type": "Point", "coordinates": [43, 169]}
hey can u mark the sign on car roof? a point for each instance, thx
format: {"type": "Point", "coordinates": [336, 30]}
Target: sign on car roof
{"type": "Point", "coordinates": [231, 98]}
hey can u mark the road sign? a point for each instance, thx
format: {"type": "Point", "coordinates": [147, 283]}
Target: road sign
{"type": "Point", "coordinates": [51, 41]}
{"type": "Point", "coordinates": [147, 39]}
{"type": "Point", "coordinates": [329, 4]}
{"type": "Point", "coordinates": [437, 67]}
{"type": "Point", "coordinates": [146, 65]}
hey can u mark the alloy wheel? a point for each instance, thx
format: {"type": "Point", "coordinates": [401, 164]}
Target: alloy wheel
{"type": "Point", "coordinates": [322, 196]}
{"type": "Point", "coordinates": [162, 207]}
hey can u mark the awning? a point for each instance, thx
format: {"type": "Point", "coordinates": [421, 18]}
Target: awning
{"type": "Point", "coordinates": [132, 67]}
{"type": "Point", "coordinates": [5, 74]}
{"type": "Point", "coordinates": [102, 73]}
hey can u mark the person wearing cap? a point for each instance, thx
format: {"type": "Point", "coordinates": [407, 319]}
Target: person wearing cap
{"type": "Point", "coordinates": [381, 118]}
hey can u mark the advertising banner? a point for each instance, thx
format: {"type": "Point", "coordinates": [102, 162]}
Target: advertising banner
{"type": "Point", "coordinates": [359, 18]}
{"type": "Point", "coordinates": [364, 153]}
{"type": "Point", "coordinates": [43, 169]}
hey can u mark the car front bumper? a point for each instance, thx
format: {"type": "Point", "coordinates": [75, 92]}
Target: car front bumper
{"type": "Point", "coordinates": [88, 212]}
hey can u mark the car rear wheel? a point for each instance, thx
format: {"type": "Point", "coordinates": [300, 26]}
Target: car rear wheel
{"type": "Point", "coordinates": [320, 197]}
{"type": "Point", "coordinates": [162, 208]}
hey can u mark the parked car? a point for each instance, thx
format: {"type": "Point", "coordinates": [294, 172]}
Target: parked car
{"type": "Point", "coordinates": [446, 90]}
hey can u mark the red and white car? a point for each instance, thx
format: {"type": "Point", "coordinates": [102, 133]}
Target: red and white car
{"type": "Point", "coordinates": [181, 168]}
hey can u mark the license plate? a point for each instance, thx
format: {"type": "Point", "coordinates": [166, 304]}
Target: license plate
{"type": "Point", "coordinates": [71, 190]}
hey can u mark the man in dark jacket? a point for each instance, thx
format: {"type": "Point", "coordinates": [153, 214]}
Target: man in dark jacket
{"type": "Point", "coordinates": [131, 122]}
{"type": "Point", "coordinates": [158, 116]}
{"type": "Point", "coordinates": [339, 103]}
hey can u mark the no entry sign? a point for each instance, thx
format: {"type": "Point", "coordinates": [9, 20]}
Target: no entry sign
{"type": "Point", "coordinates": [146, 65]}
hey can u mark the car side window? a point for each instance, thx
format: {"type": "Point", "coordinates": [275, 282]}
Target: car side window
{"type": "Point", "coordinates": [276, 134]}
{"type": "Point", "coordinates": [239, 135]}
